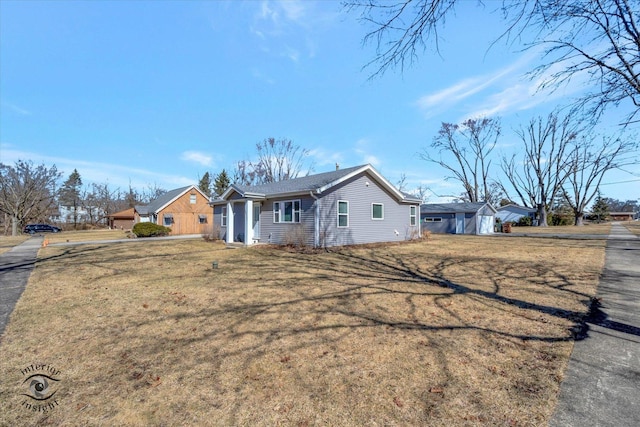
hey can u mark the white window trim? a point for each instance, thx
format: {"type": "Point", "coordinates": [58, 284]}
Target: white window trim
{"type": "Point", "coordinates": [342, 214]}
{"type": "Point", "coordinates": [278, 214]}
{"type": "Point", "coordinates": [413, 220]}
{"type": "Point", "coordinates": [192, 199]}
{"type": "Point", "coordinates": [223, 217]}
{"type": "Point", "coordinates": [377, 204]}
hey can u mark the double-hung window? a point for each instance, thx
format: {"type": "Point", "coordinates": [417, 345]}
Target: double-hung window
{"type": "Point", "coordinates": [412, 216]}
{"type": "Point", "coordinates": [377, 211]}
{"type": "Point", "coordinates": [223, 217]}
{"type": "Point", "coordinates": [343, 213]}
{"type": "Point", "coordinates": [286, 211]}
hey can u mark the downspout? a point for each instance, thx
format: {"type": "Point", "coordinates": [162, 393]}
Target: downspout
{"type": "Point", "coordinates": [316, 222]}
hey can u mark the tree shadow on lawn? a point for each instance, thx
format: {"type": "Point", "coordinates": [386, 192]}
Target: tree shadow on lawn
{"type": "Point", "coordinates": [249, 312]}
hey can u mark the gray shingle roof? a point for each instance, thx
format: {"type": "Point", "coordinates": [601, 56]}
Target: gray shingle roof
{"type": "Point", "coordinates": [451, 207]}
{"type": "Point", "coordinates": [305, 183]}
{"type": "Point", "coordinates": [158, 203]}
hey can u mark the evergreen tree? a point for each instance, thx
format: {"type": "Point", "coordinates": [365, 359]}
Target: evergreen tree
{"type": "Point", "coordinates": [70, 195]}
{"type": "Point", "coordinates": [600, 208]}
{"type": "Point", "coordinates": [221, 183]}
{"type": "Point", "coordinates": [205, 184]}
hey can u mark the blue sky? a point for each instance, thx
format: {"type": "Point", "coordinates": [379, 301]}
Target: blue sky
{"type": "Point", "coordinates": [158, 93]}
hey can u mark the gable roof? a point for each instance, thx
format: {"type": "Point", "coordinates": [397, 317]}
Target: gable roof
{"type": "Point", "coordinates": [167, 198]}
{"type": "Point", "coordinates": [453, 207]}
{"type": "Point", "coordinates": [317, 183]}
{"type": "Point", "coordinates": [127, 213]}
{"type": "Point", "coordinates": [513, 205]}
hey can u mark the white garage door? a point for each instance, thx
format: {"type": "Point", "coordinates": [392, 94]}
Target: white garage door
{"type": "Point", "coordinates": [486, 224]}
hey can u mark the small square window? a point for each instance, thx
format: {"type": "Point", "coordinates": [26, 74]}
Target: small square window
{"type": "Point", "coordinates": [377, 211]}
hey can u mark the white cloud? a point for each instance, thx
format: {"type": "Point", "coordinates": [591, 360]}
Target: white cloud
{"type": "Point", "coordinates": [16, 109]}
{"type": "Point", "coordinates": [286, 28]}
{"type": "Point", "coordinates": [98, 172]}
{"type": "Point", "coordinates": [362, 149]}
{"type": "Point", "coordinates": [322, 157]}
{"type": "Point", "coordinates": [197, 157]}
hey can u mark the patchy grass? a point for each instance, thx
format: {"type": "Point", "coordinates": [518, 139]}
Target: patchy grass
{"type": "Point", "coordinates": [85, 235]}
{"type": "Point", "coordinates": [632, 226]}
{"type": "Point", "coordinates": [456, 330]}
{"type": "Point", "coordinates": [588, 228]}
{"type": "Point", "coordinates": [8, 242]}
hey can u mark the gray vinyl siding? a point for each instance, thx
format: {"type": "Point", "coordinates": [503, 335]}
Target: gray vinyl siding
{"type": "Point", "coordinates": [217, 221]}
{"type": "Point", "coordinates": [446, 226]}
{"type": "Point", "coordinates": [470, 223]}
{"type": "Point", "coordinates": [278, 233]}
{"type": "Point", "coordinates": [362, 228]}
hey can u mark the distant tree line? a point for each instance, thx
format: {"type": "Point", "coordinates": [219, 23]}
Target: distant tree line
{"type": "Point", "coordinates": [557, 158]}
{"type": "Point", "coordinates": [32, 193]}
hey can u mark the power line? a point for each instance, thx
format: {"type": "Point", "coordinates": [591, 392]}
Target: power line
{"type": "Point", "coordinates": [621, 182]}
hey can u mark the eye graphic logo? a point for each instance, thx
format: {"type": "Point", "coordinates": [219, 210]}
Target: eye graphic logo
{"type": "Point", "coordinates": [38, 385]}
{"type": "Point", "coordinates": [39, 388]}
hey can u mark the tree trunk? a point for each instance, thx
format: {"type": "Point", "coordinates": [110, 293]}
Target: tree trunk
{"type": "Point", "coordinates": [14, 226]}
{"type": "Point", "coordinates": [579, 219]}
{"type": "Point", "coordinates": [542, 215]}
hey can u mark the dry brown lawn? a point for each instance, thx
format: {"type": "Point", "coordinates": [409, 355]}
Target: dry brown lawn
{"type": "Point", "coordinates": [456, 330]}
{"type": "Point", "coordinates": [632, 226]}
{"type": "Point", "coordinates": [588, 228]}
{"type": "Point", "coordinates": [85, 235]}
{"type": "Point", "coordinates": [8, 242]}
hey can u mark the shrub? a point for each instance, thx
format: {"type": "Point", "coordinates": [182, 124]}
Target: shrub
{"type": "Point", "coordinates": [524, 221]}
{"type": "Point", "coordinates": [560, 219]}
{"type": "Point", "coordinates": [149, 229]}
{"type": "Point", "coordinates": [295, 237]}
{"type": "Point", "coordinates": [213, 234]}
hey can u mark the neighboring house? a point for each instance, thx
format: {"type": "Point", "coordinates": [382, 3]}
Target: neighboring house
{"type": "Point", "coordinates": [122, 220]}
{"type": "Point", "coordinates": [622, 216]}
{"type": "Point", "coordinates": [513, 213]}
{"type": "Point", "coordinates": [186, 210]}
{"type": "Point", "coordinates": [458, 218]}
{"type": "Point", "coordinates": [343, 207]}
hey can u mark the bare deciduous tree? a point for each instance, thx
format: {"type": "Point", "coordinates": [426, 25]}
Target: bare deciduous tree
{"type": "Point", "coordinates": [278, 160]}
{"type": "Point", "coordinates": [590, 161]}
{"type": "Point", "coordinates": [470, 144]}
{"type": "Point", "coordinates": [27, 192]}
{"type": "Point", "coordinates": [538, 175]}
{"type": "Point", "coordinates": [599, 39]}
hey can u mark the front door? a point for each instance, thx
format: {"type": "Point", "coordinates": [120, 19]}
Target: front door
{"type": "Point", "coordinates": [256, 221]}
{"type": "Point", "coordinates": [459, 223]}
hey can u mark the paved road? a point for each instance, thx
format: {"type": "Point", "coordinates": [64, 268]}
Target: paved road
{"type": "Point", "coordinates": [602, 381]}
{"type": "Point", "coordinates": [15, 268]}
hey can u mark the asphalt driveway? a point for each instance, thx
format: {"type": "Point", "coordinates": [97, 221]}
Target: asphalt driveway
{"type": "Point", "coordinates": [15, 267]}
{"type": "Point", "coordinates": [602, 380]}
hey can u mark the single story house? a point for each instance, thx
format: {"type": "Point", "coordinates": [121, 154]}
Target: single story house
{"type": "Point", "coordinates": [185, 210]}
{"type": "Point", "coordinates": [342, 207]}
{"type": "Point", "coordinates": [458, 218]}
{"type": "Point", "coordinates": [622, 216]}
{"type": "Point", "coordinates": [122, 220]}
{"type": "Point", "coordinates": [513, 213]}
